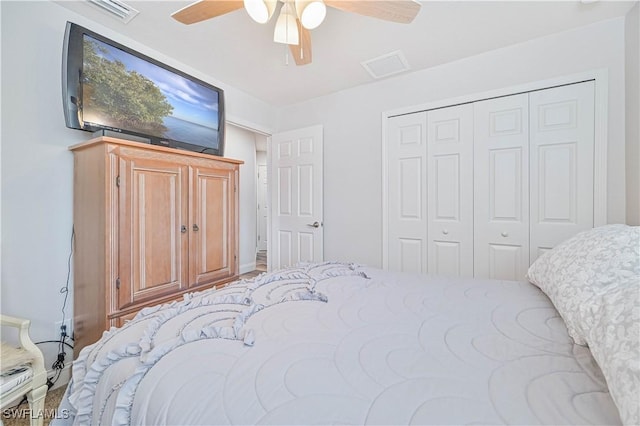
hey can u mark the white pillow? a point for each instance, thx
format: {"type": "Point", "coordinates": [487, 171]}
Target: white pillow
{"type": "Point", "coordinates": [574, 271]}
{"type": "Point", "coordinates": [614, 341]}
{"type": "Point", "coordinates": [593, 279]}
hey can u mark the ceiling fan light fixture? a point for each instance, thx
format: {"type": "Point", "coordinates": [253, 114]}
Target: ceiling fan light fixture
{"type": "Point", "coordinates": [311, 12]}
{"type": "Point", "coordinates": [260, 10]}
{"type": "Point", "coordinates": [286, 30]}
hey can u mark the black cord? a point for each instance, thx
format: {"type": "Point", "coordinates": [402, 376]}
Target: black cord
{"type": "Point", "coordinates": [54, 341]}
{"type": "Point", "coordinates": [65, 290]}
{"type": "Point", "coordinates": [58, 364]}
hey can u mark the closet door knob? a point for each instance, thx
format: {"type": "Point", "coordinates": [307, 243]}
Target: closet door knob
{"type": "Point", "coordinates": [504, 234]}
{"type": "Point", "coordinates": [195, 227]}
{"type": "Point", "coordinates": [183, 229]}
{"type": "Point", "coordinates": [445, 231]}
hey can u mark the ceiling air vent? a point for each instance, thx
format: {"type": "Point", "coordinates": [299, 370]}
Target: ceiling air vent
{"type": "Point", "coordinates": [386, 65]}
{"type": "Point", "coordinates": [116, 8]}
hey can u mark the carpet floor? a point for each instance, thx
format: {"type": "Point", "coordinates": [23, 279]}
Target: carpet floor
{"type": "Point", "coordinates": [19, 416]}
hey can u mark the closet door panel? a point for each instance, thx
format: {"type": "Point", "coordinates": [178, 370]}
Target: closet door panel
{"type": "Point", "coordinates": [450, 190]}
{"type": "Point", "coordinates": [561, 146]}
{"type": "Point", "coordinates": [501, 188]}
{"type": "Point", "coordinates": [407, 193]}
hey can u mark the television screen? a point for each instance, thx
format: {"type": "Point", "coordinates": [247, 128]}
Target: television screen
{"type": "Point", "coordinates": [111, 87]}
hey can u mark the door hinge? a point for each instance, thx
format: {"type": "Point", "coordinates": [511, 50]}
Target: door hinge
{"type": "Point", "coordinates": [118, 283]}
{"type": "Point", "coordinates": [118, 181]}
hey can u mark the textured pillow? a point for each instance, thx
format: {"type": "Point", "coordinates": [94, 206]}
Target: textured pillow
{"type": "Point", "coordinates": [577, 269]}
{"type": "Point", "coordinates": [614, 341]}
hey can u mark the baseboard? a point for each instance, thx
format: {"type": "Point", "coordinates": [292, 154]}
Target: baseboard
{"type": "Point", "coordinates": [65, 377]}
{"type": "Point", "coordinates": [247, 267]}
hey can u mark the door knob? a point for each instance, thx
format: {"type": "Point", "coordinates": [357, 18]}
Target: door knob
{"type": "Point", "coordinates": [445, 231]}
{"type": "Point", "coordinates": [504, 234]}
{"type": "Point", "coordinates": [315, 224]}
{"type": "Point", "coordinates": [195, 227]}
{"type": "Point", "coordinates": [183, 229]}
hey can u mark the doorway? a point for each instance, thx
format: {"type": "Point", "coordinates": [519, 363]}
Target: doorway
{"type": "Point", "coordinates": [262, 205]}
{"type": "Point", "coordinates": [281, 221]}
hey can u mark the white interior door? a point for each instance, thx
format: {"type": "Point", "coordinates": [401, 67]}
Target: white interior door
{"type": "Point", "coordinates": [501, 188]}
{"type": "Point", "coordinates": [407, 193]}
{"type": "Point", "coordinates": [296, 197]}
{"type": "Point", "coordinates": [561, 150]}
{"type": "Point", "coordinates": [263, 209]}
{"type": "Point", "coordinates": [450, 190]}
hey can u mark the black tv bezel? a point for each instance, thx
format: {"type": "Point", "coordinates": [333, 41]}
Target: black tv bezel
{"type": "Point", "coordinates": [72, 65]}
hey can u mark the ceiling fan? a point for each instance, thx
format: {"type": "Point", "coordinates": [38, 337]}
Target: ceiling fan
{"type": "Point", "coordinates": [298, 17]}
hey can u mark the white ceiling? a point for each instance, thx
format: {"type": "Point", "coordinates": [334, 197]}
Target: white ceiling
{"type": "Point", "coordinates": [239, 52]}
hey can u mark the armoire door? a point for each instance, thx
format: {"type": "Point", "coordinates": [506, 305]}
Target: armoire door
{"type": "Point", "coordinates": [152, 213]}
{"type": "Point", "coordinates": [407, 193]}
{"type": "Point", "coordinates": [212, 250]}
{"type": "Point", "coordinates": [449, 180]}
{"type": "Point", "coordinates": [501, 187]}
{"type": "Point", "coordinates": [561, 175]}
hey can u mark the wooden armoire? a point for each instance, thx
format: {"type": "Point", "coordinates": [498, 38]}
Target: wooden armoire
{"type": "Point", "coordinates": [151, 223]}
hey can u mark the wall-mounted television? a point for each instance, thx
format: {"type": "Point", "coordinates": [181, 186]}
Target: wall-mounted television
{"type": "Point", "coordinates": [107, 86]}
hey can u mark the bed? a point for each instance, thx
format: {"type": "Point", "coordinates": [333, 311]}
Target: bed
{"type": "Point", "coordinates": [340, 343]}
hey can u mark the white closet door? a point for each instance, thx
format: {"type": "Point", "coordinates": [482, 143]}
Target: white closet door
{"type": "Point", "coordinates": [407, 193]}
{"type": "Point", "coordinates": [450, 190]}
{"type": "Point", "coordinates": [501, 188]}
{"type": "Point", "coordinates": [561, 150]}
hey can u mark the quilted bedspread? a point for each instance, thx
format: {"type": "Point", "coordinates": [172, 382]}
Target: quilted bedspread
{"type": "Point", "coordinates": [337, 343]}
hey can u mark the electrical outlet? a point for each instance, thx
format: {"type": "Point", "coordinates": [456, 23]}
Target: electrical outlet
{"type": "Point", "coordinates": [67, 324]}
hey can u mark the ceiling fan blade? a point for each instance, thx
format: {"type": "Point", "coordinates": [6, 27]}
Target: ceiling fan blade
{"type": "Point", "coordinates": [400, 11]}
{"type": "Point", "coordinates": [302, 51]}
{"type": "Point", "coordinates": [205, 9]}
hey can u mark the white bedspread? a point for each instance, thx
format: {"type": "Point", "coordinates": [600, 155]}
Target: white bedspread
{"type": "Point", "coordinates": [312, 348]}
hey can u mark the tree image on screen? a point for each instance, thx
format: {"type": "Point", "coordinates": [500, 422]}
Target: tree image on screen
{"type": "Point", "coordinates": [117, 97]}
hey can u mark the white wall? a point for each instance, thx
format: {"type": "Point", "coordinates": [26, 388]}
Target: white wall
{"type": "Point", "coordinates": [352, 124]}
{"type": "Point", "coordinates": [261, 158]}
{"type": "Point", "coordinates": [632, 81]}
{"type": "Point", "coordinates": [241, 145]}
{"type": "Point", "coordinates": [37, 168]}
